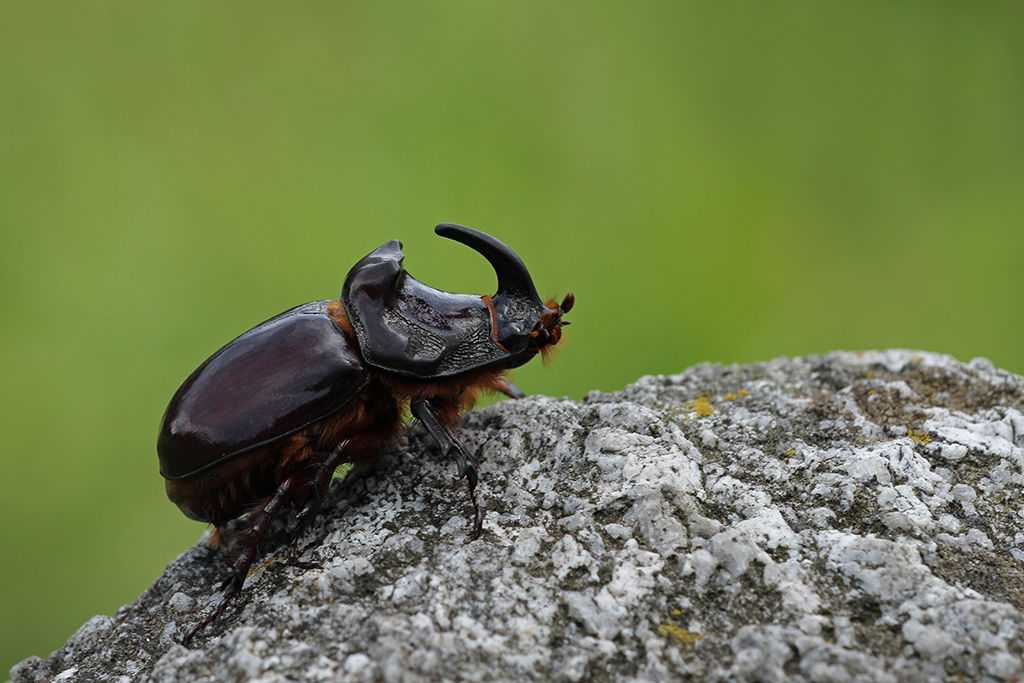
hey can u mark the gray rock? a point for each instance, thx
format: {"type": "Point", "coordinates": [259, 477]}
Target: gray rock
{"type": "Point", "coordinates": [849, 517]}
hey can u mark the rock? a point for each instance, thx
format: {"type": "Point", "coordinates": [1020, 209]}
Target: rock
{"type": "Point", "coordinates": [849, 517]}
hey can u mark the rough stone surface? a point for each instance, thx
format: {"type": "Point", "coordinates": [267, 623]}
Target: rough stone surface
{"type": "Point", "coordinates": [849, 517]}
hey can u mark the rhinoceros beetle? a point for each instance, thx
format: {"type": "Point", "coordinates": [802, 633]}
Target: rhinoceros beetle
{"type": "Point", "coordinates": [265, 421]}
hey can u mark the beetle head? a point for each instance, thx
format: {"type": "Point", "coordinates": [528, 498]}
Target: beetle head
{"type": "Point", "coordinates": [548, 332]}
{"type": "Point", "coordinates": [523, 324]}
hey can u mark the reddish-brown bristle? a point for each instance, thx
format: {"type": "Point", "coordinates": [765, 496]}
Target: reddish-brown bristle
{"type": "Point", "coordinates": [549, 353]}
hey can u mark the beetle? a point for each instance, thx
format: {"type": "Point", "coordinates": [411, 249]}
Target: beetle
{"type": "Point", "coordinates": [263, 423]}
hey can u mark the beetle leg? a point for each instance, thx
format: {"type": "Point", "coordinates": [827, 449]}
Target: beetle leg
{"type": "Point", "coordinates": [450, 445]}
{"type": "Point", "coordinates": [510, 390]}
{"type": "Point", "coordinates": [254, 536]}
{"type": "Point", "coordinates": [318, 484]}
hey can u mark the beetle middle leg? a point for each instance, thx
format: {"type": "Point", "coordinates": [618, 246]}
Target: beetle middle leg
{"type": "Point", "coordinates": [428, 414]}
{"type": "Point", "coordinates": [318, 485]}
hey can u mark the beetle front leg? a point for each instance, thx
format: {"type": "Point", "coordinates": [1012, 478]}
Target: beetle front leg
{"type": "Point", "coordinates": [450, 445]}
{"type": "Point", "coordinates": [510, 390]}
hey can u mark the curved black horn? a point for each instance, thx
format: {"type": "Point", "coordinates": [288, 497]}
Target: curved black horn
{"type": "Point", "coordinates": [513, 277]}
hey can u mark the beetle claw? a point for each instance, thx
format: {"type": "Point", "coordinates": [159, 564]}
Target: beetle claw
{"type": "Point", "coordinates": [232, 584]}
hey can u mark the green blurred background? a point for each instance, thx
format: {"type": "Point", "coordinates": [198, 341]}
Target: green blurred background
{"type": "Point", "coordinates": [715, 181]}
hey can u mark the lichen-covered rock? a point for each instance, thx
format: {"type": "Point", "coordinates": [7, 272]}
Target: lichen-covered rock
{"type": "Point", "coordinates": [850, 517]}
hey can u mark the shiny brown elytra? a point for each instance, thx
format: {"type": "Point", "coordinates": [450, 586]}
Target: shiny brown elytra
{"type": "Point", "coordinates": [264, 422]}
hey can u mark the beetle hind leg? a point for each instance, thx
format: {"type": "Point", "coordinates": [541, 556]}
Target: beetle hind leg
{"type": "Point", "coordinates": [253, 538]}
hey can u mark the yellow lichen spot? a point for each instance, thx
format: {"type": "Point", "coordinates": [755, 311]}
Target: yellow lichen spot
{"type": "Point", "coordinates": [920, 437]}
{"type": "Point", "coordinates": [729, 397]}
{"type": "Point", "coordinates": [701, 405]}
{"type": "Point", "coordinates": [790, 453]}
{"type": "Point", "coordinates": [670, 629]}
{"type": "Point", "coordinates": [255, 569]}
{"type": "Point", "coordinates": [743, 392]}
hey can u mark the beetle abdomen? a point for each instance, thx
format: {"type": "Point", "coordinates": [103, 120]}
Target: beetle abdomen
{"type": "Point", "coordinates": [225, 491]}
{"type": "Point", "coordinates": [275, 380]}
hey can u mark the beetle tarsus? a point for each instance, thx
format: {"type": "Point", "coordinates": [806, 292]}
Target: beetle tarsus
{"type": "Point", "coordinates": [426, 413]}
{"type": "Point", "coordinates": [210, 618]}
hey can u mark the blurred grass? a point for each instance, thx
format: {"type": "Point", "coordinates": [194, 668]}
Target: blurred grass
{"type": "Point", "coordinates": [714, 181]}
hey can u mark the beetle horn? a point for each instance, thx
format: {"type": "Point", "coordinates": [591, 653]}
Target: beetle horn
{"type": "Point", "coordinates": [514, 279]}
